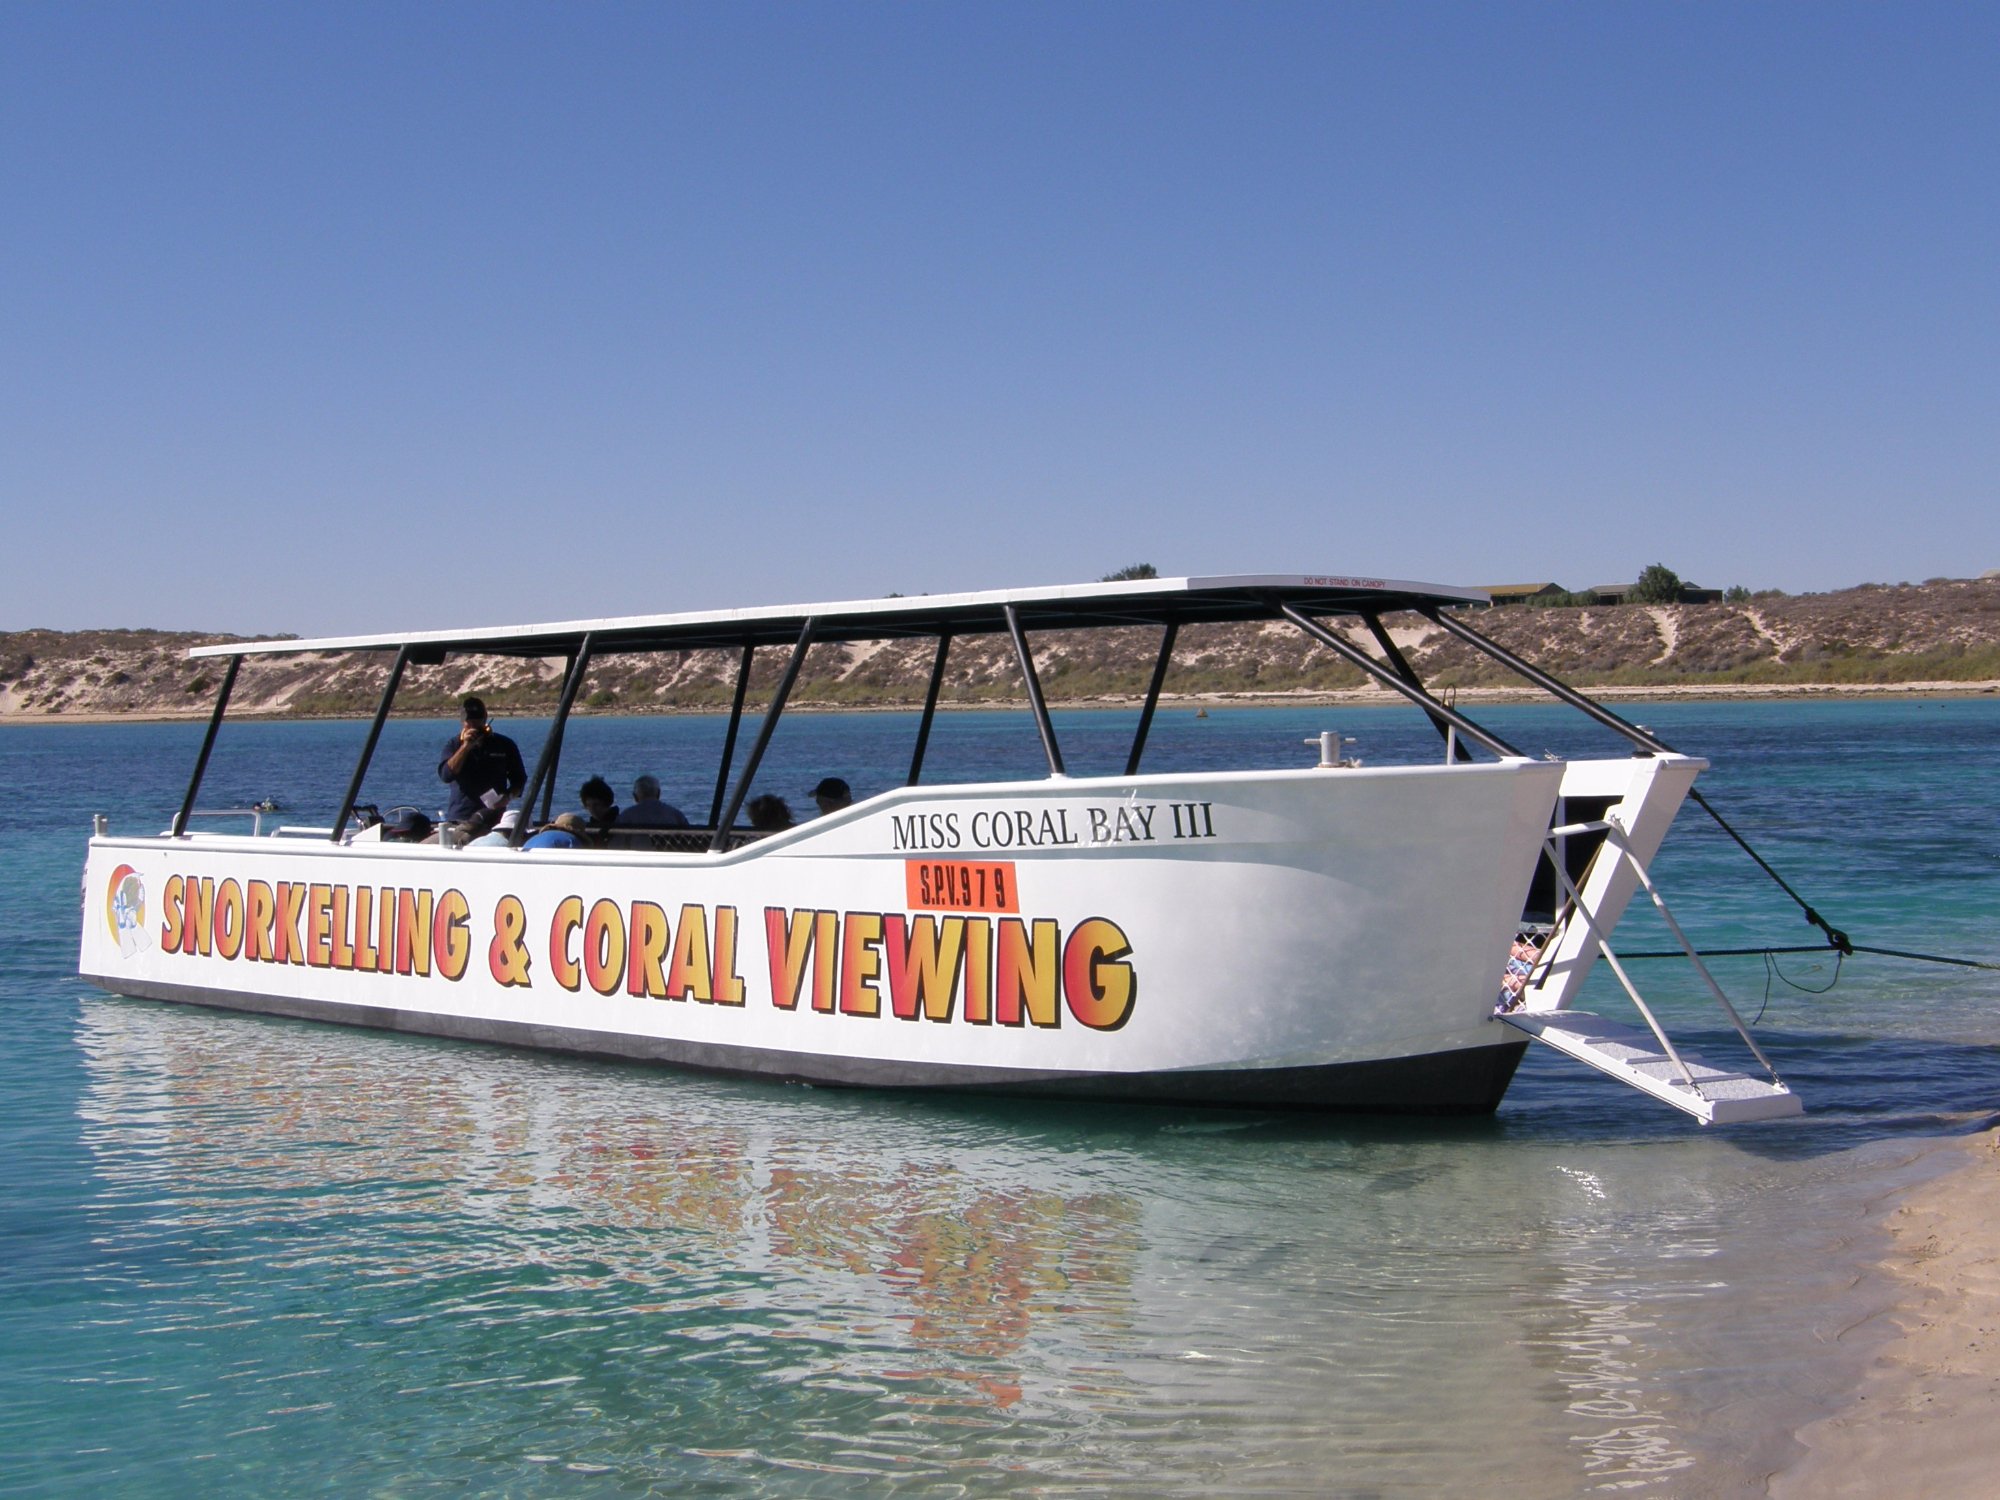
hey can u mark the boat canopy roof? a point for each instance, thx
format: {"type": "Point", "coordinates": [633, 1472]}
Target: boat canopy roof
{"type": "Point", "coordinates": [1148, 601]}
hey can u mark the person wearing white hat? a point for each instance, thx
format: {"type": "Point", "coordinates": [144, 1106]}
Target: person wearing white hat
{"type": "Point", "coordinates": [502, 833]}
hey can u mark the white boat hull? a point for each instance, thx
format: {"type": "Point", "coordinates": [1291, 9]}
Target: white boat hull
{"type": "Point", "coordinates": [1327, 939]}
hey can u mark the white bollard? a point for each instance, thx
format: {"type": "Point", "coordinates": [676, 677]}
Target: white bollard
{"type": "Point", "coordinates": [1329, 742]}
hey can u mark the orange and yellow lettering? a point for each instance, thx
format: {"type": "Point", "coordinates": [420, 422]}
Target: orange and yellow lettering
{"type": "Point", "coordinates": [604, 946]}
{"type": "Point", "coordinates": [451, 939]}
{"type": "Point", "coordinates": [923, 959]}
{"type": "Point", "coordinates": [413, 932]}
{"type": "Point", "coordinates": [727, 988]}
{"type": "Point", "coordinates": [978, 971]}
{"type": "Point", "coordinates": [860, 963]}
{"type": "Point", "coordinates": [562, 931]}
{"type": "Point", "coordinates": [826, 953]}
{"type": "Point", "coordinates": [289, 947]}
{"type": "Point", "coordinates": [385, 932]}
{"type": "Point", "coordinates": [170, 914]}
{"type": "Point", "coordinates": [1026, 972]}
{"type": "Point", "coordinates": [364, 922]}
{"type": "Point", "coordinates": [1099, 986]}
{"type": "Point", "coordinates": [319, 908]}
{"type": "Point", "coordinates": [643, 974]}
{"type": "Point", "coordinates": [787, 939]}
{"type": "Point", "coordinates": [343, 950]}
{"type": "Point", "coordinates": [257, 926]}
{"type": "Point", "coordinates": [197, 915]}
{"type": "Point", "coordinates": [506, 955]}
{"type": "Point", "coordinates": [689, 976]}
{"type": "Point", "coordinates": [228, 919]}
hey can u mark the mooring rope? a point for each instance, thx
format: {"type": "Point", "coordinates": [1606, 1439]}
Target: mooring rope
{"type": "Point", "coordinates": [1834, 935]}
{"type": "Point", "coordinates": [1768, 948]}
{"type": "Point", "coordinates": [1837, 941]}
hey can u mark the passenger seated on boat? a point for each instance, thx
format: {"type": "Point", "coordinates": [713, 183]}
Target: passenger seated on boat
{"type": "Point", "coordinates": [406, 825]}
{"type": "Point", "coordinates": [500, 835]}
{"type": "Point", "coordinates": [482, 767]}
{"type": "Point", "coordinates": [600, 808]}
{"type": "Point", "coordinates": [832, 794]}
{"type": "Point", "coordinates": [647, 810]}
{"type": "Point", "coordinates": [769, 814]}
{"type": "Point", "coordinates": [566, 832]}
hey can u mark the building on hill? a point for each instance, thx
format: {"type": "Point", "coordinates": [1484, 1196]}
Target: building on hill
{"type": "Point", "coordinates": [1621, 593]}
{"type": "Point", "coordinates": [1524, 593]}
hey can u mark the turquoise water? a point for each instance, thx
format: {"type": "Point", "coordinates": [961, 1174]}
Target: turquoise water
{"type": "Point", "coordinates": [260, 1257]}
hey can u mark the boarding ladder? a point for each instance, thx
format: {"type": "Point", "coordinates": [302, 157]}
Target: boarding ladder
{"type": "Point", "coordinates": [1645, 1059]}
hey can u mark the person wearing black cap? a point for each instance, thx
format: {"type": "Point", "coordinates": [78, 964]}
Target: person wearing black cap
{"type": "Point", "coordinates": [482, 767]}
{"type": "Point", "coordinates": [832, 795]}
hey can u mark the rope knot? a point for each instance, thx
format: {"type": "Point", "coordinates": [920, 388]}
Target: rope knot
{"type": "Point", "coordinates": [1834, 936]}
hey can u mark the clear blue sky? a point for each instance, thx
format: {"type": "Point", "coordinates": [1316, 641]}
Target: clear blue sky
{"type": "Point", "coordinates": [322, 318]}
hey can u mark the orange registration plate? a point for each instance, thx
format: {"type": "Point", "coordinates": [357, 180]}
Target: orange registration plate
{"type": "Point", "coordinates": [960, 885]}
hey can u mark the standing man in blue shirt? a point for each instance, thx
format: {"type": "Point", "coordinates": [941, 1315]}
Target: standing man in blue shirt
{"type": "Point", "coordinates": [483, 768]}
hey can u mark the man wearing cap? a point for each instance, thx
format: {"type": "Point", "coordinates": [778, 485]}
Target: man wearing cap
{"type": "Point", "coordinates": [482, 767]}
{"type": "Point", "coordinates": [832, 795]}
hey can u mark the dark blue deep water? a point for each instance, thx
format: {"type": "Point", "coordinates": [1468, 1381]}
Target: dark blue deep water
{"type": "Point", "coordinates": [248, 1256]}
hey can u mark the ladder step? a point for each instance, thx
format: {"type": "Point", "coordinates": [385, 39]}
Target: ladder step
{"type": "Point", "coordinates": [1634, 1056]}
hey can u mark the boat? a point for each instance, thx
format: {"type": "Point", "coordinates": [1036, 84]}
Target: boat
{"type": "Point", "coordinates": [1339, 936]}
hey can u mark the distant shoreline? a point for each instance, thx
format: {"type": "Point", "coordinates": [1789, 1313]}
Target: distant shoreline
{"type": "Point", "coordinates": [1363, 697]}
{"type": "Point", "coordinates": [1937, 639]}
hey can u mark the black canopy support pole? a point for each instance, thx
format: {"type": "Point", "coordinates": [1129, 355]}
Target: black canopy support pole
{"type": "Point", "coordinates": [1409, 674]}
{"type": "Point", "coordinates": [368, 745]}
{"type": "Point", "coordinates": [545, 763]}
{"type": "Point", "coordinates": [207, 744]}
{"type": "Point", "coordinates": [930, 706]}
{"type": "Point", "coordinates": [729, 738]}
{"type": "Point", "coordinates": [555, 764]}
{"type": "Point", "coordinates": [763, 740]}
{"type": "Point", "coordinates": [1390, 680]}
{"type": "Point", "coordinates": [1152, 697]}
{"type": "Point", "coordinates": [1034, 685]}
{"type": "Point", "coordinates": [1643, 738]}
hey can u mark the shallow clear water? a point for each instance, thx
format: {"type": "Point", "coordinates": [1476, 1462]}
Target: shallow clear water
{"type": "Point", "coordinates": [261, 1256]}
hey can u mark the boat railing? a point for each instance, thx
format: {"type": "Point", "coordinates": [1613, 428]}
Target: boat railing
{"type": "Point", "coordinates": [256, 815]}
{"type": "Point", "coordinates": [676, 840]}
{"type": "Point", "coordinates": [627, 840]}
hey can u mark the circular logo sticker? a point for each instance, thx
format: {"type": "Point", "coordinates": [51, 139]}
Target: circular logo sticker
{"type": "Point", "coordinates": [125, 911]}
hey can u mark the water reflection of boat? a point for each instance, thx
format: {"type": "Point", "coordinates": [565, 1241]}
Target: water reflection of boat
{"type": "Point", "coordinates": [1332, 936]}
{"type": "Point", "coordinates": [1148, 1293]}
{"type": "Point", "coordinates": [966, 1261]}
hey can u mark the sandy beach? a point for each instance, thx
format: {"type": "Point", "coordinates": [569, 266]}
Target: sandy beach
{"type": "Point", "coordinates": [1925, 1422]}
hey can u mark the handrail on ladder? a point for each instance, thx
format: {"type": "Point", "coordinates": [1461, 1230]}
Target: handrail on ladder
{"type": "Point", "coordinates": [1616, 836]}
